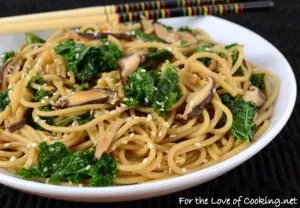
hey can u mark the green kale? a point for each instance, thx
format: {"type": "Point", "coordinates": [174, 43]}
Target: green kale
{"type": "Point", "coordinates": [7, 56]}
{"type": "Point", "coordinates": [184, 43]}
{"type": "Point", "coordinates": [258, 80]}
{"type": "Point", "coordinates": [33, 38]}
{"type": "Point", "coordinates": [28, 173]}
{"type": "Point", "coordinates": [68, 120]}
{"type": "Point", "coordinates": [139, 34]}
{"type": "Point", "coordinates": [155, 57]}
{"type": "Point", "coordinates": [140, 88]}
{"type": "Point", "coordinates": [152, 89]}
{"type": "Point", "coordinates": [4, 100]}
{"type": "Point", "coordinates": [230, 46]}
{"type": "Point", "coordinates": [243, 126]}
{"type": "Point", "coordinates": [185, 29]}
{"type": "Point", "coordinates": [205, 47]}
{"type": "Point", "coordinates": [84, 86]}
{"type": "Point", "coordinates": [57, 163]}
{"type": "Point", "coordinates": [38, 80]}
{"type": "Point", "coordinates": [39, 95]}
{"type": "Point", "coordinates": [168, 91]}
{"type": "Point", "coordinates": [88, 61]}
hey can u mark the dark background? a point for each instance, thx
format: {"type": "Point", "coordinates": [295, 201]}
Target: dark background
{"type": "Point", "coordinates": [274, 172]}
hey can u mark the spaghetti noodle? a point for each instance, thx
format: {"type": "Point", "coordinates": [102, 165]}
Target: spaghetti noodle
{"type": "Point", "coordinates": [195, 132]}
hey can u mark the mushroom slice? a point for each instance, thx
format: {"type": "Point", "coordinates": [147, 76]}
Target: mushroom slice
{"type": "Point", "coordinates": [255, 95]}
{"type": "Point", "coordinates": [147, 26]}
{"type": "Point", "coordinates": [170, 36]}
{"type": "Point", "coordinates": [198, 100]}
{"type": "Point", "coordinates": [129, 64]}
{"type": "Point", "coordinates": [107, 138]}
{"type": "Point", "coordinates": [16, 126]}
{"type": "Point", "coordinates": [188, 37]}
{"type": "Point", "coordinates": [95, 36]}
{"type": "Point", "coordinates": [94, 96]}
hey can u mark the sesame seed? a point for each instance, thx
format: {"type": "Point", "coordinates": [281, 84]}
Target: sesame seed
{"type": "Point", "coordinates": [149, 117]}
{"type": "Point", "coordinates": [36, 119]}
{"type": "Point", "coordinates": [70, 182]}
{"type": "Point", "coordinates": [166, 124]}
{"type": "Point", "coordinates": [143, 70]}
{"type": "Point", "coordinates": [92, 112]}
{"type": "Point", "coordinates": [88, 167]}
{"type": "Point", "coordinates": [33, 145]}
{"type": "Point", "coordinates": [124, 141]}
{"type": "Point", "coordinates": [45, 169]}
{"type": "Point", "coordinates": [43, 101]}
{"type": "Point", "coordinates": [13, 158]}
{"type": "Point", "coordinates": [160, 133]}
{"type": "Point", "coordinates": [6, 145]}
{"type": "Point", "coordinates": [183, 170]}
{"type": "Point", "coordinates": [47, 180]}
{"type": "Point", "coordinates": [131, 135]}
{"type": "Point", "coordinates": [145, 160]}
{"type": "Point", "coordinates": [125, 99]}
{"type": "Point", "coordinates": [198, 144]}
{"type": "Point", "coordinates": [172, 136]}
{"type": "Point", "coordinates": [128, 119]}
{"type": "Point", "coordinates": [146, 100]}
{"type": "Point", "coordinates": [150, 146]}
{"type": "Point", "coordinates": [80, 185]}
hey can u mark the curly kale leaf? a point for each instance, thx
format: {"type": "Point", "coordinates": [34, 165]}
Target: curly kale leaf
{"type": "Point", "coordinates": [205, 47]}
{"type": "Point", "coordinates": [4, 100]}
{"type": "Point", "coordinates": [243, 126]}
{"type": "Point", "coordinates": [58, 164]}
{"type": "Point", "coordinates": [185, 29]}
{"type": "Point", "coordinates": [7, 56]}
{"type": "Point", "coordinates": [258, 80]}
{"type": "Point", "coordinates": [88, 61]}
{"type": "Point", "coordinates": [33, 38]}
{"type": "Point", "coordinates": [159, 91]}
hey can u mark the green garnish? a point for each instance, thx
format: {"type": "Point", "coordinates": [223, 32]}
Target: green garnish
{"type": "Point", "coordinates": [139, 34]}
{"type": "Point", "coordinates": [4, 100]}
{"type": "Point", "coordinates": [155, 57]}
{"type": "Point", "coordinates": [79, 119]}
{"type": "Point", "coordinates": [205, 47]}
{"type": "Point", "coordinates": [58, 164]}
{"type": "Point", "coordinates": [84, 87]}
{"type": "Point", "coordinates": [184, 43]}
{"type": "Point", "coordinates": [152, 89]}
{"type": "Point", "coordinates": [40, 94]}
{"type": "Point", "coordinates": [88, 61]}
{"type": "Point", "coordinates": [185, 29]}
{"type": "Point", "coordinates": [258, 80]}
{"type": "Point", "coordinates": [33, 38]}
{"type": "Point", "coordinates": [243, 126]}
{"type": "Point", "coordinates": [7, 56]}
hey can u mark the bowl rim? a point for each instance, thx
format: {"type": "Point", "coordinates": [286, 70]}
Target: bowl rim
{"type": "Point", "coordinates": [161, 187]}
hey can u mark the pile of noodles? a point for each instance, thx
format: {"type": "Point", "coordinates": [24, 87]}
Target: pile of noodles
{"type": "Point", "coordinates": [146, 146]}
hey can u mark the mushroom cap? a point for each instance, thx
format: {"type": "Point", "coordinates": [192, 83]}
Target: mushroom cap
{"type": "Point", "coordinates": [129, 64]}
{"type": "Point", "coordinates": [255, 95]}
{"type": "Point", "coordinates": [170, 36]}
{"type": "Point", "coordinates": [198, 100]}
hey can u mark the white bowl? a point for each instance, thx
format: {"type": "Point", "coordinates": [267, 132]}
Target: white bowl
{"type": "Point", "coordinates": [258, 51]}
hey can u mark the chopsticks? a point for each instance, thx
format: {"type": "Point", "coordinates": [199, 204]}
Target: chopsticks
{"type": "Point", "coordinates": [58, 22]}
{"type": "Point", "coordinates": [114, 9]}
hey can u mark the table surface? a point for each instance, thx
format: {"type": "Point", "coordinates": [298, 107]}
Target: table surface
{"type": "Point", "coordinates": [274, 172]}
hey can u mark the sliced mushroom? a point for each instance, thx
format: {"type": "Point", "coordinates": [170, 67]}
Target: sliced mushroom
{"type": "Point", "coordinates": [170, 36]}
{"type": "Point", "coordinates": [122, 36]}
{"type": "Point", "coordinates": [3, 73]}
{"type": "Point", "coordinates": [129, 64]}
{"type": "Point", "coordinates": [16, 126]}
{"type": "Point", "coordinates": [107, 137]}
{"type": "Point", "coordinates": [255, 95]}
{"type": "Point", "coordinates": [188, 37]}
{"type": "Point", "coordinates": [94, 96]}
{"type": "Point", "coordinates": [147, 26]}
{"type": "Point", "coordinates": [198, 100]}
